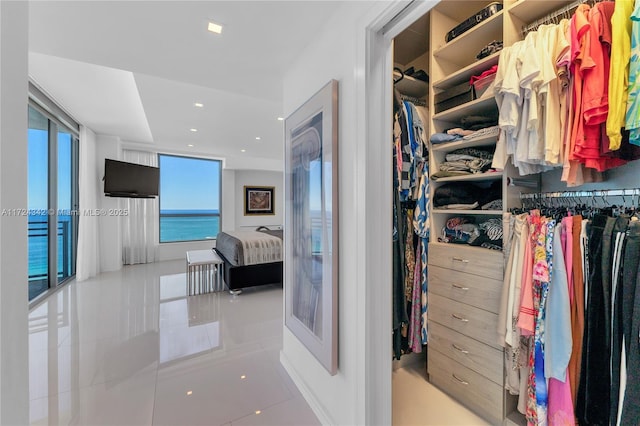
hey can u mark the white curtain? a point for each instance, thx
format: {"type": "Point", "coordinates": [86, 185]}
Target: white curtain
{"type": "Point", "coordinates": [141, 227]}
{"type": "Point", "coordinates": [88, 260]}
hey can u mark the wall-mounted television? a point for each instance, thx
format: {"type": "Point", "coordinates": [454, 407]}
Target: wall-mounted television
{"type": "Point", "coordinates": [129, 180]}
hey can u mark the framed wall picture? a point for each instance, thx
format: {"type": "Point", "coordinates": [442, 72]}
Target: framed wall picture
{"type": "Point", "coordinates": [259, 200]}
{"type": "Point", "coordinates": [311, 225]}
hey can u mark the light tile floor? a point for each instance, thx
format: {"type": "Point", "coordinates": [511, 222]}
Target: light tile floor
{"type": "Point", "coordinates": [417, 402]}
{"type": "Point", "coordinates": [129, 348]}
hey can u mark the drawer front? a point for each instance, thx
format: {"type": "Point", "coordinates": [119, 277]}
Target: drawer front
{"type": "Point", "coordinates": [474, 355]}
{"type": "Point", "coordinates": [476, 392]}
{"type": "Point", "coordinates": [481, 292]}
{"type": "Point", "coordinates": [472, 260]}
{"type": "Point", "coordinates": [468, 320]}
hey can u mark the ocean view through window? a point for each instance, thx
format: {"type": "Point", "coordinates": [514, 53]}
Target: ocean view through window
{"type": "Point", "coordinates": [189, 198]}
{"type": "Point", "coordinates": [52, 202]}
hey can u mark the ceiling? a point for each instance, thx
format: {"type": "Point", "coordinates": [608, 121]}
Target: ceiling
{"type": "Point", "coordinates": [134, 69]}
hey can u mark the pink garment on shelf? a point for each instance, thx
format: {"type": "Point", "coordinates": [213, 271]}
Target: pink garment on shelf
{"type": "Point", "coordinates": [486, 73]}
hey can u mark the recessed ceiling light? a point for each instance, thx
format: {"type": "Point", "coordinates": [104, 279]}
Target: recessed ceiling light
{"type": "Point", "coordinates": [243, 377]}
{"type": "Point", "coordinates": [190, 144]}
{"type": "Point", "coordinates": [258, 411]}
{"type": "Point", "coordinates": [258, 138]}
{"type": "Point", "coordinates": [280, 118]}
{"type": "Point", "coordinates": [194, 130]}
{"type": "Point", "coordinates": [189, 393]}
{"type": "Point", "coordinates": [214, 28]}
{"type": "Point", "coordinates": [198, 105]}
{"type": "Point", "coordinates": [243, 150]}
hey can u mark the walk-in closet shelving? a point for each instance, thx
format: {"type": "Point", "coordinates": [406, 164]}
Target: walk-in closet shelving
{"type": "Point", "coordinates": [471, 178]}
{"type": "Point", "coordinates": [476, 106]}
{"type": "Point", "coordinates": [410, 86]}
{"type": "Point", "coordinates": [464, 74]}
{"type": "Point", "coordinates": [464, 281]}
{"type": "Point", "coordinates": [448, 147]}
{"type": "Point", "coordinates": [463, 49]}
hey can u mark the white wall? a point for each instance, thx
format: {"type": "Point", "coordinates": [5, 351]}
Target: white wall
{"type": "Point", "coordinates": [259, 178]}
{"type": "Point", "coordinates": [14, 355]}
{"type": "Point", "coordinates": [228, 200]}
{"type": "Point", "coordinates": [110, 227]}
{"type": "Point", "coordinates": [338, 52]}
{"type": "Point", "coordinates": [626, 176]}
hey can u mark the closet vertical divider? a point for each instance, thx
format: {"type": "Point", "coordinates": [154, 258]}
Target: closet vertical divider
{"type": "Point", "coordinates": [464, 358]}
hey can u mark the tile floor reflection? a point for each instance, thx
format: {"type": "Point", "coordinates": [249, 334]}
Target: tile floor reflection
{"type": "Point", "coordinates": [129, 348]}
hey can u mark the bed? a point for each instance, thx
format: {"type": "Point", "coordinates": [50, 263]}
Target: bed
{"type": "Point", "coordinates": [250, 258]}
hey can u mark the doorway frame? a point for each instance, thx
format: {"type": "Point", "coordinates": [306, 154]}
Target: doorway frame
{"type": "Point", "coordinates": [375, 93]}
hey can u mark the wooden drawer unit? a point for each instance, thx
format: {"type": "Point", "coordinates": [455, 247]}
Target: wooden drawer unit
{"type": "Point", "coordinates": [478, 393]}
{"type": "Point", "coordinates": [474, 290]}
{"type": "Point", "coordinates": [468, 320]}
{"type": "Point", "coordinates": [472, 260]}
{"type": "Point", "coordinates": [481, 358]}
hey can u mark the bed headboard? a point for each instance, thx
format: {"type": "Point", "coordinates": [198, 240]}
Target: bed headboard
{"type": "Point", "coordinates": [255, 227]}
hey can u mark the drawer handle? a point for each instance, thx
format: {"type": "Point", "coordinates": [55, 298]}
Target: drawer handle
{"type": "Point", "coordinates": [459, 287]}
{"type": "Point", "coordinates": [459, 259]}
{"type": "Point", "coordinates": [459, 318]}
{"type": "Point", "coordinates": [462, 382]}
{"type": "Point", "coordinates": [459, 349]}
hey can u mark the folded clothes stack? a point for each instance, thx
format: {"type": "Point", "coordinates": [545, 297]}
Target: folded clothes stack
{"type": "Point", "coordinates": [465, 161]}
{"type": "Point", "coordinates": [487, 131]}
{"type": "Point", "coordinates": [477, 122]}
{"type": "Point", "coordinates": [465, 230]}
{"type": "Point", "coordinates": [490, 49]}
{"type": "Point", "coordinates": [458, 133]}
{"type": "Point", "coordinates": [466, 196]}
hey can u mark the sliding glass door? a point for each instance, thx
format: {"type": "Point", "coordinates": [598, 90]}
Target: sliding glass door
{"type": "Point", "coordinates": [52, 202]}
{"type": "Point", "coordinates": [67, 205]}
{"type": "Point", "coordinates": [38, 202]}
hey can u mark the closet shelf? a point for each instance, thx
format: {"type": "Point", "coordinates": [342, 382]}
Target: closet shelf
{"type": "Point", "coordinates": [468, 212]}
{"type": "Point", "coordinates": [411, 86]}
{"type": "Point", "coordinates": [465, 47]}
{"type": "Point", "coordinates": [530, 10]}
{"type": "Point", "coordinates": [465, 73]}
{"type": "Point", "coordinates": [474, 177]}
{"type": "Point", "coordinates": [450, 146]}
{"type": "Point", "coordinates": [481, 250]}
{"type": "Point", "coordinates": [476, 107]}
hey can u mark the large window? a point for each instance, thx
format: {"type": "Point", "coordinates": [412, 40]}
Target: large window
{"type": "Point", "coordinates": [189, 198]}
{"type": "Point", "coordinates": [52, 185]}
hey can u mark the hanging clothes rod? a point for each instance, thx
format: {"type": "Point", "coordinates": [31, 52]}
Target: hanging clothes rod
{"type": "Point", "coordinates": [575, 194]}
{"type": "Point", "coordinates": [415, 101]}
{"type": "Point", "coordinates": [554, 15]}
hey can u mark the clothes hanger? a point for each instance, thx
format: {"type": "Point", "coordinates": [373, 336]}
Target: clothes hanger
{"type": "Point", "coordinates": [401, 75]}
